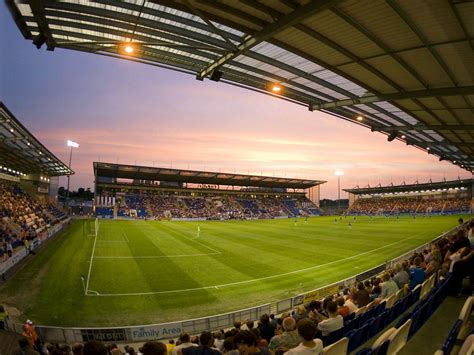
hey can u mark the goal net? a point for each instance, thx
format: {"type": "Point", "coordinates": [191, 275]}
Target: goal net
{"type": "Point", "coordinates": [91, 227]}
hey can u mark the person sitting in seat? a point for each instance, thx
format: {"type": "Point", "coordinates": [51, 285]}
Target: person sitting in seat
{"type": "Point", "coordinates": [333, 323]}
{"type": "Point", "coordinates": [309, 346]}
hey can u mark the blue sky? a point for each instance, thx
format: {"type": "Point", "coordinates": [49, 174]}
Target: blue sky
{"type": "Point", "coordinates": [132, 113]}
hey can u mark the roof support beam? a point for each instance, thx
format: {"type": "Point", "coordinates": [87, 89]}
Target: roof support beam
{"type": "Point", "coordinates": [452, 91]}
{"type": "Point", "coordinates": [38, 12]}
{"type": "Point", "coordinates": [421, 128]}
{"type": "Point", "coordinates": [210, 24]}
{"type": "Point", "coordinates": [268, 32]}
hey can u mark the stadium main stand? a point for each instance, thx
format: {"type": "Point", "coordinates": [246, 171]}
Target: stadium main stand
{"type": "Point", "coordinates": [446, 197]}
{"type": "Point", "coordinates": [159, 193]}
{"type": "Point", "coordinates": [28, 211]}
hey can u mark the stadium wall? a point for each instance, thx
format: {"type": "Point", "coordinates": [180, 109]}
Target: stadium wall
{"type": "Point", "coordinates": [162, 331]}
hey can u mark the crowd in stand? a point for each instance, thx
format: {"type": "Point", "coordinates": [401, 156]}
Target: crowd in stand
{"type": "Point", "coordinates": [399, 204]}
{"type": "Point", "coordinates": [22, 218]}
{"type": "Point", "coordinates": [212, 206]}
{"type": "Point", "coordinates": [307, 328]}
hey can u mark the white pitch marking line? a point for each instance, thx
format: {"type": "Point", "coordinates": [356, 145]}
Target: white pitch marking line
{"type": "Point", "coordinates": [90, 265]}
{"type": "Point", "coordinates": [153, 256]}
{"type": "Point", "coordinates": [125, 236]}
{"type": "Point", "coordinates": [254, 280]}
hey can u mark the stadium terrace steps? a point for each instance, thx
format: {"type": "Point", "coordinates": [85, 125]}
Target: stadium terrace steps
{"type": "Point", "coordinates": [435, 329]}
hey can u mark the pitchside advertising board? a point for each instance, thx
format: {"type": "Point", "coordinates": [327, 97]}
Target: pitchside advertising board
{"type": "Point", "coordinates": [145, 333]}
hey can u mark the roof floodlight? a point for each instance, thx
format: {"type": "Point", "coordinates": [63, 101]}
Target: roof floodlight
{"type": "Point", "coordinates": [428, 148]}
{"type": "Point", "coordinates": [359, 118]}
{"type": "Point", "coordinates": [392, 136]}
{"type": "Point", "coordinates": [12, 130]}
{"type": "Point", "coordinates": [27, 143]}
{"type": "Point", "coordinates": [129, 49]}
{"type": "Point", "coordinates": [403, 136]}
{"type": "Point", "coordinates": [72, 144]}
{"type": "Point", "coordinates": [276, 88]}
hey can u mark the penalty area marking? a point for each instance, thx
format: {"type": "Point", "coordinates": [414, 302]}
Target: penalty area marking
{"type": "Point", "coordinates": [253, 280]}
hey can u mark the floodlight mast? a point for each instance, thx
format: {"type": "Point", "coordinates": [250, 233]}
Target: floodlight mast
{"type": "Point", "coordinates": [72, 145]}
{"type": "Point", "coordinates": [338, 173]}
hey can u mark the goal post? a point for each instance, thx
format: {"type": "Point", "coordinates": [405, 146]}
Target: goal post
{"type": "Point", "coordinates": [91, 227]}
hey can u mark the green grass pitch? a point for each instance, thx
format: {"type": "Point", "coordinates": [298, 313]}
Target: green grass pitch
{"type": "Point", "coordinates": [142, 272]}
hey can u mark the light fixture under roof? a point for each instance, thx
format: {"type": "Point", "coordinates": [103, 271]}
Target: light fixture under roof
{"type": "Point", "coordinates": [359, 118]}
{"type": "Point", "coordinates": [276, 88]}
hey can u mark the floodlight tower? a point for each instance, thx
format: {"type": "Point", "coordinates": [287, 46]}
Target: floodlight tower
{"type": "Point", "coordinates": [339, 173]}
{"type": "Point", "coordinates": [72, 145]}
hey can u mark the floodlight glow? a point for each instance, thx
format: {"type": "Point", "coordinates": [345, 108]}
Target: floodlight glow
{"type": "Point", "coordinates": [360, 118]}
{"type": "Point", "coordinates": [72, 144]}
{"type": "Point", "coordinates": [339, 173]}
{"type": "Point", "coordinates": [129, 49]}
{"type": "Point", "coordinates": [403, 136]}
{"type": "Point", "coordinates": [276, 88]}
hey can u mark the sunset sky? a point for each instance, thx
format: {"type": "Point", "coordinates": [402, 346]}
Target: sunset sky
{"type": "Point", "coordinates": [130, 113]}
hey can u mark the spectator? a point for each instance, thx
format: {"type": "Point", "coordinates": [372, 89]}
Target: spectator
{"type": "Point", "coordinates": [401, 275]}
{"type": "Point", "coordinates": [309, 346]}
{"type": "Point", "coordinates": [94, 347]}
{"type": "Point", "coordinates": [246, 342]}
{"type": "Point", "coordinates": [361, 297]}
{"type": "Point", "coordinates": [342, 309]}
{"type": "Point", "coordinates": [229, 347]}
{"type": "Point", "coordinates": [185, 341]}
{"type": "Point", "coordinates": [464, 267]}
{"type": "Point", "coordinates": [154, 348]}
{"type": "Point", "coordinates": [170, 346]}
{"type": "Point", "coordinates": [417, 274]}
{"type": "Point", "coordinates": [25, 348]}
{"type": "Point", "coordinates": [206, 341]}
{"type": "Point", "coordinates": [287, 340]}
{"type": "Point", "coordinates": [388, 286]}
{"type": "Point", "coordinates": [218, 341]}
{"type": "Point", "coordinates": [267, 331]}
{"type": "Point", "coordinates": [78, 349]}
{"type": "Point", "coordinates": [333, 323]}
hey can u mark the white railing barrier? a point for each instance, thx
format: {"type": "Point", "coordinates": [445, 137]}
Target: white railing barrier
{"type": "Point", "coordinates": [143, 333]}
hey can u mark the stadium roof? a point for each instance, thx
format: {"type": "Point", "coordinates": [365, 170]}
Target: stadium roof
{"type": "Point", "coordinates": [404, 68]}
{"type": "Point", "coordinates": [21, 152]}
{"type": "Point", "coordinates": [419, 187]}
{"type": "Point", "coordinates": [197, 177]}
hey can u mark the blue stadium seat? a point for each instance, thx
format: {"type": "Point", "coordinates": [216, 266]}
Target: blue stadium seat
{"type": "Point", "coordinates": [376, 325]}
{"type": "Point", "coordinates": [451, 339]}
{"type": "Point", "coordinates": [357, 337]}
{"type": "Point", "coordinates": [333, 337]}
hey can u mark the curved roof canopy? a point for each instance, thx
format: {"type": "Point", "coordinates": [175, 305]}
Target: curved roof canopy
{"type": "Point", "coordinates": [403, 68]}
{"type": "Point", "coordinates": [22, 153]}
{"type": "Point", "coordinates": [439, 186]}
{"type": "Point", "coordinates": [110, 170]}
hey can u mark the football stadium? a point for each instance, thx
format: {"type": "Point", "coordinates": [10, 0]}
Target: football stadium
{"type": "Point", "coordinates": [175, 261]}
